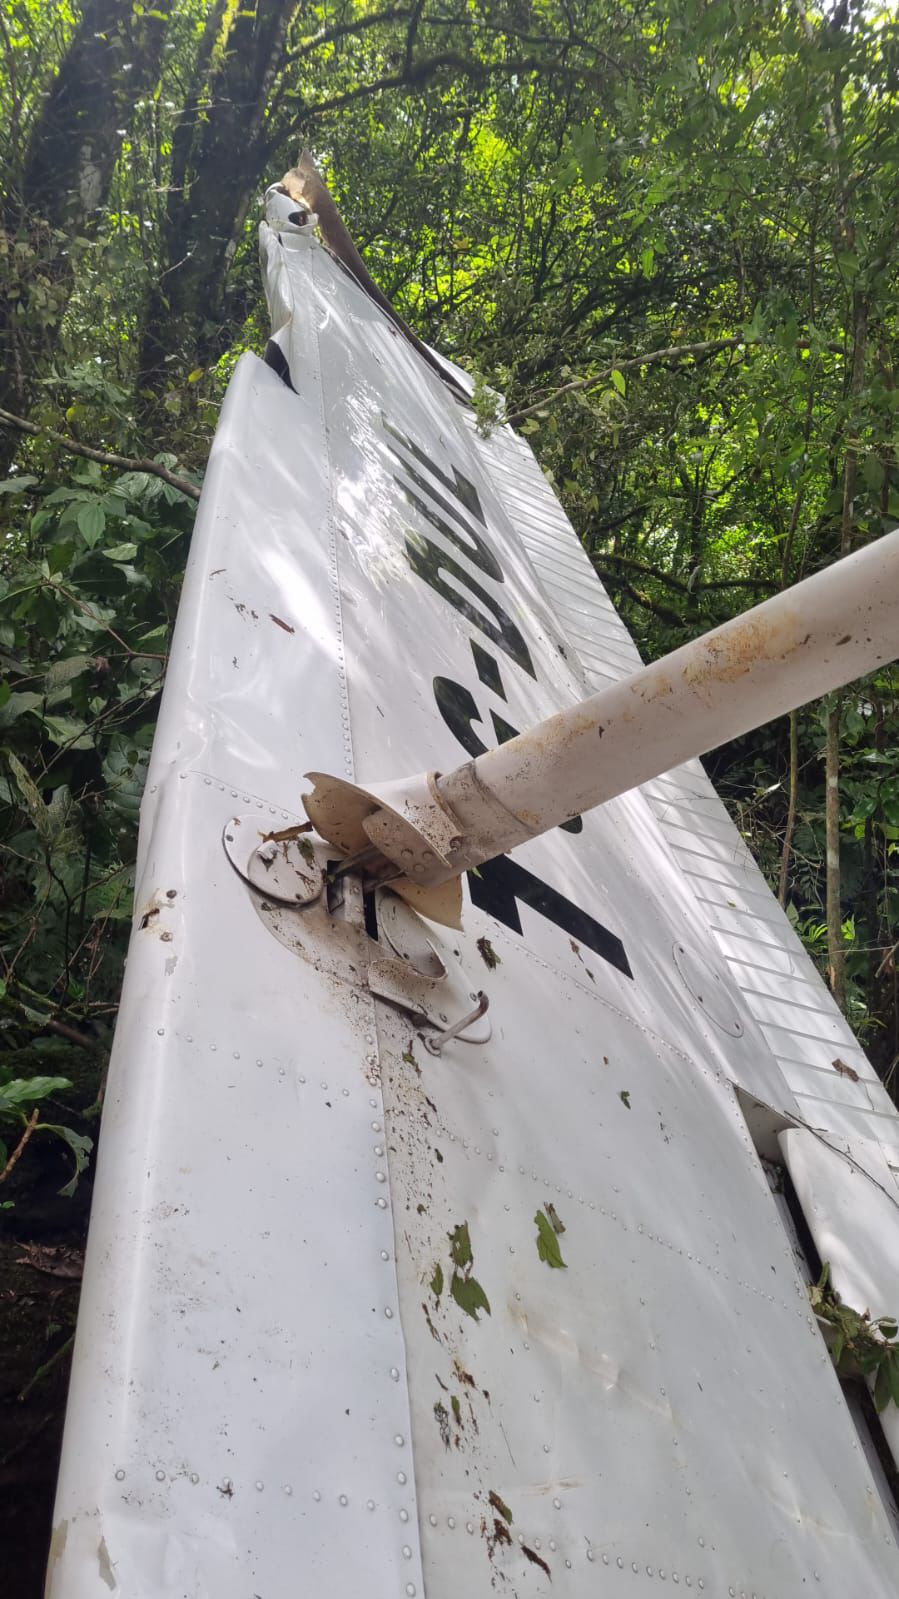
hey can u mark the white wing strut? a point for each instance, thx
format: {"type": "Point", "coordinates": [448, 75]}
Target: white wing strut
{"type": "Point", "coordinates": [815, 637]}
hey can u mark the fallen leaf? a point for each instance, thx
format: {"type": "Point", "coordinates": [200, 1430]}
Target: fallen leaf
{"type": "Point", "coordinates": [57, 1260]}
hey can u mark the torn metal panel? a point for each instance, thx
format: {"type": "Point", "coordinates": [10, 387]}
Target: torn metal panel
{"type": "Point", "coordinates": [854, 1220]}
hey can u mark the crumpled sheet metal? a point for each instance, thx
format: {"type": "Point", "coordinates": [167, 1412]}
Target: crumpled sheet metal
{"type": "Point", "coordinates": [274, 1389]}
{"type": "Point", "coordinates": [854, 1220]}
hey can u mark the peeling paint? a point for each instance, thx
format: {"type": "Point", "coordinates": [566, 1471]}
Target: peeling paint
{"type": "Point", "coordinates": [57, 1549]}
{"type": "Point", "coordinates": [105, 1565]}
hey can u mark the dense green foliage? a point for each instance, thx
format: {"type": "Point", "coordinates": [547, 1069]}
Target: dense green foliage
{"type": "Point", "coordinates": [666, 231]}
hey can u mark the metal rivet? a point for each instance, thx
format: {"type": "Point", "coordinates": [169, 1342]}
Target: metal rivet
{"type": "Point", "coordinates": [194, 1477]}
{"type": "Point", "coordinates": [120, 1475]}
{"type": "Point", "coordinates": [388, 1313]}
{"type": "Point", "coordinates": [342, 1499]}
{"type": "Point", "coordinates": [235, 1054]}
{"type": "Point", "coordinates": [399, 1440]}
{"type": "Point", "coordinates": [316, 1495]}
{"type": "Point", "coordinates": [432, 1520]}
{"type": "Point", "coordinates": [394, 1374]}
{"type": "Point", "coordinates": [160, 1477]}
{"type": "Point", "coordinates": [381, 1204]}
{"type": "Point", "coordinates": [469, 1526]}
{"type": "Point", "coordinates": [557, 1504]}
{"type": "Point", "coordinates": [410, 1589]}
{"type": "Point", "coordinates": [404, 1515]}
{"type": "Point", "coordinates": [160, 1032]}
{"type": "Point", "coordinates": [407, 1552]}
{"type": "Point", "coordinates": [451, 1522]}
{"type": "Point", "coordinates": [376, 1127]}
{"type": "Point", "coordinates": [619, 1563]}
{"type": "Point", "coordinates": [380, 1177]}
{"type": "Point", "coordinates": [590, 1554]}
{"type": "Point", "coordinates": [401, 1478]}
{"type": "Point", "coordinates": [259, 1487]}
{"type": "Point", "coordinates": [552, 1543]}
{"type": "Point", "coordinates": [287, 1489]}
{"type": "Point", "coordinates": [369, 1504]}
{"type": "Point", "coordinates": [384, 1255]}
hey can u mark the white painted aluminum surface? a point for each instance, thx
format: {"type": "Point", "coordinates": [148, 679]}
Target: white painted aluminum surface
{"type": "Point", "coordinates": [275, 1391]}
{"type": "Point", "coordinates": [803, 1028]}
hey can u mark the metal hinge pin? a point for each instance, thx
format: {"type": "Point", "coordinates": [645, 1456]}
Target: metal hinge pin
{"type": "Point", "coordinates": [435, 1041]}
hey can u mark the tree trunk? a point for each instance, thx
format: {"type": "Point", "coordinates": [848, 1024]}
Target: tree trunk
{"type": "Point", "coordinates": [216, 175]}
{"type": "Point", "coordinates": [790, 827]}
{"type": "Point", "coordinates": [63, 182]}
{"type": "Point", "coordinates": [836, 954]}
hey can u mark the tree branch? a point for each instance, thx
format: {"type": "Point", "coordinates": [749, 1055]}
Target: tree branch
{"type": "Point", "coordinates": [679, 584]}
{"type": "Point", "coordinates": [19, 1150]}
{"type": "Point", "coordinates": [421, 71]}
{"type": "Point", "coordinates": [672, 352]}
{"type": "Point", "coordinates": [655, 607]}
{"type": "Point", "coordinates": [341, 30]}
{"type": "Point", "coordinates": [127, 463]}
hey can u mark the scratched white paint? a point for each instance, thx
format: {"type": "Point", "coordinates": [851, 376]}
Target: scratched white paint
{"type": "Point", "coordinates": [273, 1391]}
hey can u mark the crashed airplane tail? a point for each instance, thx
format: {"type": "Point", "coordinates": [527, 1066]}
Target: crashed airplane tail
{"type": "Point", "coordinates": [435, 1259]}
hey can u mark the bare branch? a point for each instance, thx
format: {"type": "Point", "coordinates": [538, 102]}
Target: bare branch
{"type": "Point", "coordinates": [19, 1150]}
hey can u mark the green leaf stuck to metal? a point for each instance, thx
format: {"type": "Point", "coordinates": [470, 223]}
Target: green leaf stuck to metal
{"type": "Point", "coordinates": [547, 1242]}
